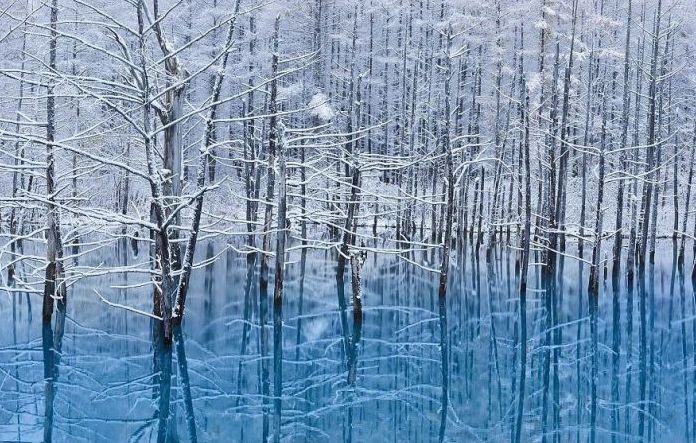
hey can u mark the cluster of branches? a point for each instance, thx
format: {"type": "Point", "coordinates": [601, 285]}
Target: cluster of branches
{"type": "Point", "coordinates": [394, 127]}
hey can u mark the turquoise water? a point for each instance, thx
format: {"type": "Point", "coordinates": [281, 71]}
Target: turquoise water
{"type": "Point", "coordinates": [414, 369]}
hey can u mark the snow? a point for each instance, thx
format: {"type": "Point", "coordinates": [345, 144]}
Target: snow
{"type": "Point", "coordinates": [320, 107]}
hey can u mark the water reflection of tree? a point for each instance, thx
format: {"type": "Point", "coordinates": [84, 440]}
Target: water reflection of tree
{"type": "Point", "coordinates": [396, 372]}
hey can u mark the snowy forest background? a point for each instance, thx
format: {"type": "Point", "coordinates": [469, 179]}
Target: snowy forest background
{"type": "Point", "coordinates": [383, 88]}
{"type": "Point", "coordinates": [554, 130]}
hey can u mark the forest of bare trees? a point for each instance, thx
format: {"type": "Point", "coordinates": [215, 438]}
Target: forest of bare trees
{"type": "Point", "coordinates": [559, 132]}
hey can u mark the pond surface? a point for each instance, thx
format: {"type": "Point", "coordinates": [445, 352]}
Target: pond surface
{"type": "Point", "coordinates": [414, 370]}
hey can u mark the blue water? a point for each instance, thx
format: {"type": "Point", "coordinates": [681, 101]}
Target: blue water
{"type": "Point", "coordinates": [382, 380]}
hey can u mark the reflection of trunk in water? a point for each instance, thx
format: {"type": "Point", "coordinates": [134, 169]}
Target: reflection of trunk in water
{"type": "Point", "coordinates": [49, 374]}
{"type": "Point", "coordinates": [693, 334]}
{"type": "Point", "coordinates": [444, 363]}
{"type": "Point", "coordinates": [15, 296]}
{"type": "Point", "coordinates": [303, 264]}
{"type": "Point", "coordinates": [493, 346]}
{"type": "Point", "coordinates": [354, 346]}
{"type": "Point", "coordinates": [123, 292]}
{"type": "Point", "coordinates": [471, 299]}
{"type": "Point", "coordinates": [515, 340]}
{"type": "Point", "coordinates": [246, 325]}
{"type": "Point", "coordinates": [52, 350]}
{"type": "Point", "coordinates": [49, 357]}
{"type": "Point", "coordinates": [616, 348]}
{"type": "Point", "coordinates": [208, 291]}
{"type": "Point", "coordinates": [578, 350]}
{"type": "Point", "coordinates": [593, 298]}
{"type": "Point", "coordinates": [263, 336]}
{"type": "Point", "coordinates": [277, 366]}
{"type": "Point", "coordinates": [685, 363]}
{"type": "Point", "coordinates": [549, 284]}
{"type": "Point", "coordinates": [163, 357]}
{"type": "Point", "coordinates": [672, 285]}
{"type": "Point", "coordinates": [558, 339]}
{"type": "Point", "coordinates": [342, 308]}
{"type": "Point", "coordinates": [185, 384]}
{"type": "Point", "coordinates": [650, 402]}
{"type": "Point", "coordinates": [165, 417]}
{"type": "Point", "coordinates": [630, 278]}
{"type": "Point", "coordinates": [642, 349]}
{"type": "Point", "coordinates": [349, 350]}
{"type": "Point", "coordinates": [352, 372]}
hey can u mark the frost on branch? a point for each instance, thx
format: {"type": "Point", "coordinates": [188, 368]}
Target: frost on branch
{"type": "Point", "coordinates": [320, 107]}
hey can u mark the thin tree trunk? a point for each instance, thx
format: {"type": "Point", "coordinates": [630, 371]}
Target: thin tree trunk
{"type": "Point", "coordinates": [525, 246]}
{"type": "Point", "coordinates": [208, 141]}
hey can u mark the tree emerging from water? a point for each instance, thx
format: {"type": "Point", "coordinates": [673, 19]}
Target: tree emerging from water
{"type": "Point", "coordinates": [523, 164]}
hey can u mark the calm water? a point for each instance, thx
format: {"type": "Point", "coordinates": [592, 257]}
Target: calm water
{"type": "Point", "coordinates": [383, 380]}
